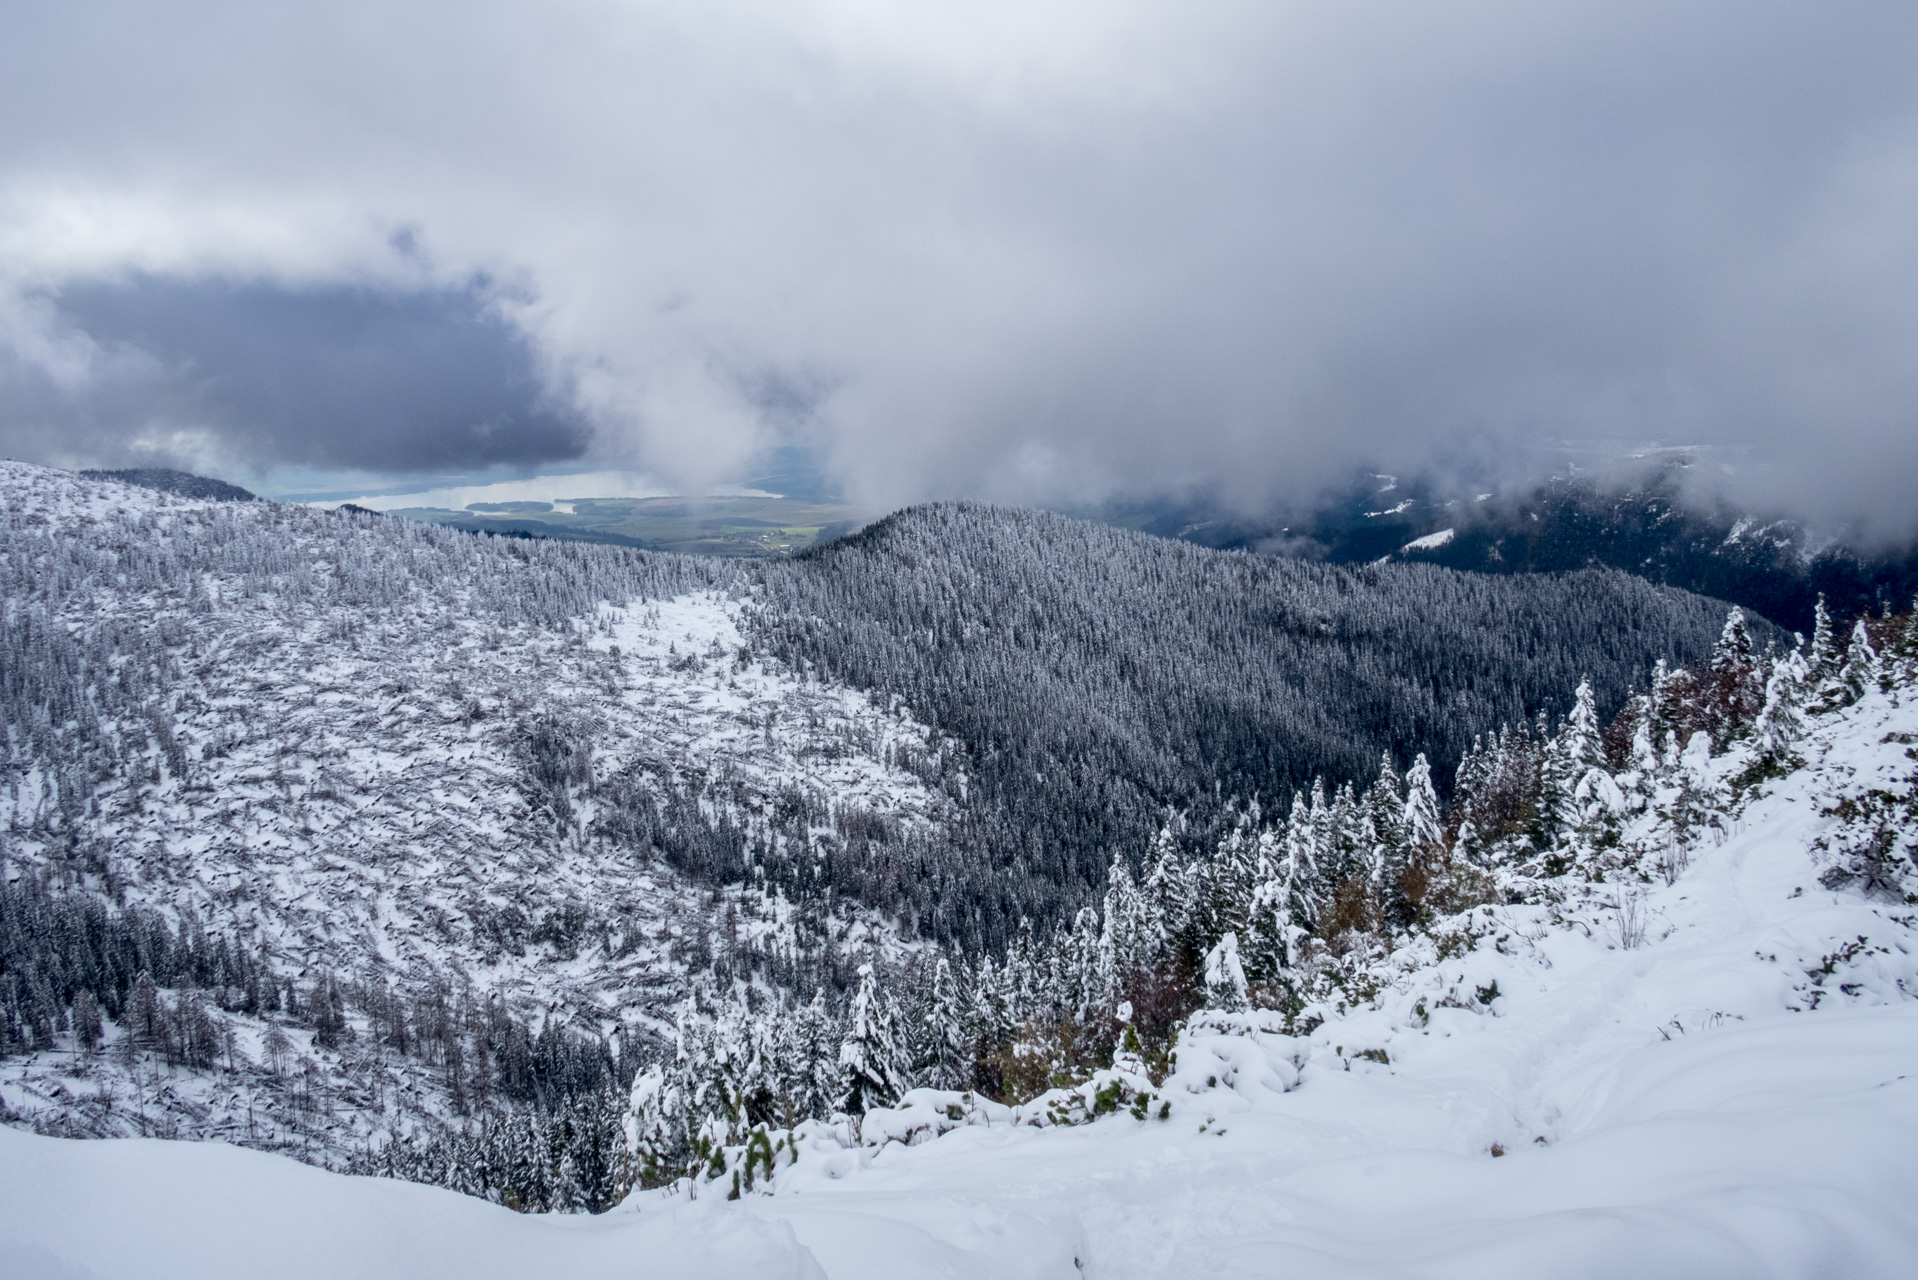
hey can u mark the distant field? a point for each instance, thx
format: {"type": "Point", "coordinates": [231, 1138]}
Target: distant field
{"type": "Point", "coordinates": [739, 527]}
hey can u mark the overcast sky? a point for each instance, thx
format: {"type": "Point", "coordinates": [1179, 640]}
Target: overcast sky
{"type": "Point", "coordinates": [1011, 249]}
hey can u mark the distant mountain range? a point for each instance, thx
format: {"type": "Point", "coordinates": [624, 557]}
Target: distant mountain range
{"type": "Point", "coordinates": [1644, 524]}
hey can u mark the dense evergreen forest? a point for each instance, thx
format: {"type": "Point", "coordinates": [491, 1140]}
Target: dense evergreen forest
{"type": "Point", "coordinates": [1101, 677]}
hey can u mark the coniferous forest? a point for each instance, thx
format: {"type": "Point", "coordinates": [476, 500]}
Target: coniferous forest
{"type": "Point", "coordinates": [1090, 785]}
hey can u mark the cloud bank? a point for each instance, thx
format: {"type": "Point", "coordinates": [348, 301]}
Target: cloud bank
{"type": "Point", "coordinates": [1017, 250]}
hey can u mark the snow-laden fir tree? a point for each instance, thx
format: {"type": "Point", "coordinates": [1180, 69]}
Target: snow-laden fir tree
{"type": "Point", "coordinates": [1860, 672]}
{"type": "Point", "coordinates": [1225, 985]}
{"type": "Point", "coordinates": [1737, 686]}
{"type": "Point", "coordinates": [1781, 722]}
{"type": "Point", "coordinates": [1421, 831]}
{"type": "Point", "coordinates": [869, 1062]}
{"type": "Point", "coordinates": [1301, 894]}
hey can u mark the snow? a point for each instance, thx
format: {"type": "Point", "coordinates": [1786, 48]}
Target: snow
{"type": "Point", "coordinates": [1723, 1088]}
{"type": "Point", "coordinates": [1430, 542]}
{"type": "Point", "coordinates": [159, 1210]}
{"type": "Point", "coordinates": [401, 822]}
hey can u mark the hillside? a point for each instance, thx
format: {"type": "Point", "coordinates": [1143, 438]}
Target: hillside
{"type": "Point", "coordinates": [1641, 1063]}
{"type": "Point", "coordinates": [1099, 676]}
{"type": "Point", "coordinates": [398, 819]}
{"type": "Point", "coordinates": [337, 751]}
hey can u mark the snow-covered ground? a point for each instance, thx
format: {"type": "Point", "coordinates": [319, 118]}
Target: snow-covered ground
{"type": "Point", "coordinates": [334, 773]}
{"type": "Point", "coordinates": [1431, 541]}
{"type": "Point", "coordinates": [1716, 1076]}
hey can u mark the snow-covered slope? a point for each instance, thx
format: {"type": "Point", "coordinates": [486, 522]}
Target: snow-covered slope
{"type": "Point", "coordinates": [1708, 1077]}
{"type": "Point", "coordinates": [373, 747]}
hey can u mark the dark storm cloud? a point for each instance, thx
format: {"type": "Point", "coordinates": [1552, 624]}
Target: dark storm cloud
{"type": "Point", "coordinates": [319, 376]}
{"type": "Point", "coordinates": [1008, 247]}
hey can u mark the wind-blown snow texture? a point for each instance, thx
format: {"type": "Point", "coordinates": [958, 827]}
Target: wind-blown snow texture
{"type": "Point", "coordinates": [1711, 1077]}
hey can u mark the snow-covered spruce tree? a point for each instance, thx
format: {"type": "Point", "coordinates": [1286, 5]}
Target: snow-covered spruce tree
{"type": "Point", "coordinates": [947, 1059]}
{"type": "Point", "coordinates": [659, 1120]}
{"type": "Point", "coordinates": [1781, 722]}
{"type": "Point", "coordinates": [1129, 934]}
{"type": "Point", "coordinates": [1169, 894]}
{"type": "Point", "coordinates": [812, 1040]}
{"type": "Point", "coordinates": [1294, 896]}
{"type": "Point", "coordinates": [1583, 744]}
{"type": "Point", "coordinates": [1696, 803]}
{"type": "Point", "coordinates": [1736, 687]}
{"type": "Point", "coordinates": [1269, 928]}
{"type": "Point", "coordinates": [1642, 759]}
{"type": "Point", "coordinates": [1669, 695]}
{"type": "Point", "coordinates": [1569, 773]}
{"type": "Point", "coordinates": [1822, 658]}
{"type": "Point", "coordinates": [1382, 837]}
{"type": "Point", "coordinates": [868, 1056]}
{"type": "Point", "coordinates": [1860, 671]}
{"type": "Point", "coordinates": [1230, 877]}
{"type": "Point", "coordinates": [1225, 985]}
{"type": "Point", "coordinates": [1906, 649]}
{"type": "Point", "coordinates": [1421, 834]}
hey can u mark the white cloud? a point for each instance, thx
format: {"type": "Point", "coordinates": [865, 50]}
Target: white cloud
{"type": "Point", "coordinates": [1024, 246]}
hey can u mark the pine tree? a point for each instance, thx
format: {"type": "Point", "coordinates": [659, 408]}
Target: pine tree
{"type": "Point", "coordinates": [1230, 880]}
{"type": "Point", "coordinates": [1823, 658]}
{"type": "Point", "coordinates": [1781, 722]}
{"type": "Point", "coordinates": [816, 1036]}
{"type": "Point", "coordinates": [950, 1066]}
{"type": "Point", "coordinates": [1129, 937]}
{"type": "Point", "coordinates": [1225, 987]}
{"type": "Point", "coordinates": [867, 1063]}
{"type": "Point", "coordinates": [144, 1018]}
{"type": "Point", "coordinates": [1644, 751]}
{"type": "Point", "coordinates": [1269, 915]}
{"type": "Point", "coordinates": [1420, 829]}
{"type": "Point", "coordinates": [1302, 894]}
{"type": "Point", "coordinates": [1167, 891]}
{"type": "Point", "coordinates": [1380, 818]}
{"type": "Point", "coordinates": [1557, 793]}
{"type": "Point", "coordinates": [277, 1046]}
{"type": "Point", "coordinates": [1737, 691]}
{"type": "Point", "coordinates": [1666, 700]}
{"type": "Point", "coordinates": [1860, 672]}
{"type": "Point", "coordinates": [1583, 747]}
{"type": "Point", "coordinates": [1421, 835]}
{"type": "Point", "coordinates": [87, 1026]}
